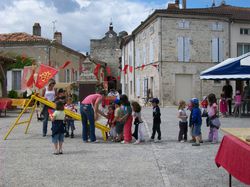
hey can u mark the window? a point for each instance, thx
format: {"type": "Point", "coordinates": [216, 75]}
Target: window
{"type": "Point", "coordinates": [217, 50]}
{"type": "Point", "coordinates": [183, 24]}
{"type": "Point", "coordinates": [183, 49]}
{"type": "Point", "coordinates": [244, 31]}
{"type": "Point", "coordinates": [16, 79]}
{"type": "Point", "coordinates": [130, 87]}
{"type": "Point", "coordinates": [76, 76]}
{"type": "Point", "coordinates": [145, 87]}
{"type": "Point", "coordinates": [138, 84]}
{"type": "Point", "coordinates": [217, 26]}
{"type": "Point", "coordinates": [217, 81]}
{"type": "Point", "coordinates": [144, 54]}
{"type": "Point", "coordinates": [242, 49]}
{"type": "Point", "coordinates": [137, 57]}
{"type": "Point", "coordinates": [67, 76]}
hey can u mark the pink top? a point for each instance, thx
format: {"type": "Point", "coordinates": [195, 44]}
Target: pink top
{"type": "Point", "coordinates": [237, 99]}
{"type": "Point", "coordinates": [91, 99]}
{"type": "Point", "coordinates": [212, 110]}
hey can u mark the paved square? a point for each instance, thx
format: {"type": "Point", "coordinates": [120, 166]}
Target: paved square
{"type": "Point", "coordinates": [27, 160]}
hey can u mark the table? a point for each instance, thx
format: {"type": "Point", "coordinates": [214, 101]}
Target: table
{"type": "Point", "coordinates": [234, 156]}
{"type": "Point", "coordinates": [5, 103]}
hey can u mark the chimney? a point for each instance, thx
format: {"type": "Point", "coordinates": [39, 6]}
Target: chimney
{"type": "Point", "coordinates": [177, 2]}
{"type": "Point", "coordinates": [36, 29]}
{"type": "Point", "coordinates": [184, 4]}
{"type": "Point", "coordinates": [58, 37]}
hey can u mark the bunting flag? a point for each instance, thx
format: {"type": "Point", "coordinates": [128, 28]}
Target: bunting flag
{"type": "Point", "coordinates": [96, 70]}
{"type": "Point", "coordinates": [130, 69]}
{"type": "Point", "coordinates": [45, 73]}
{"type": "Point", "coordinates": [142, 67]}
{"type": "Point", "coordinates": [65, 64]}
{"type": "Point", "coordinates": [125, 68]}
{"type": "Point", "coordinates": [155, 65]}
{"type": "Point", "coordinates": [118, 78]}
{"type": "Point", "coordinates": [102, 74]}
{"type": "Point", "coordinates": [108, 70]}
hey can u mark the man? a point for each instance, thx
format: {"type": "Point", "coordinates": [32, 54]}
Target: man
{"type": "Point", "coordinates": [228, 91]}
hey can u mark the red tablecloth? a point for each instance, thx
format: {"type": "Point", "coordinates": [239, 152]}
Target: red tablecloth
{"type": "Point", "coordinates": [234, 156]}
{"type": "Point", "coordinates": [5, 103]}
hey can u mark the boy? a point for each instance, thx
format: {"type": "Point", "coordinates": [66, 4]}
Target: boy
{"type": "Point", "coordinates": [156, 119]}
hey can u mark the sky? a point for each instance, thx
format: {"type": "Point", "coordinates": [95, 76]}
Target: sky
{"type": "Point", "coordinates": [82, 20]}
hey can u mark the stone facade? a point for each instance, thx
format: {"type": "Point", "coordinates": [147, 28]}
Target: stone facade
{"type": "Point", "coordinates": [108, 50]}
{"type": "Point", "coordinates": [171, 48]}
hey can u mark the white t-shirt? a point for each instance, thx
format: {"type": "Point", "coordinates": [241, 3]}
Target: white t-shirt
{"type": "Point", "coordinates": [59, 115]}
{"type": "Point", "coordinates": [182, 114]}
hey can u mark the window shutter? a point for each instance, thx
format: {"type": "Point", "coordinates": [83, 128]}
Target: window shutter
{"type": "Point", "coordinates": [187, 49]}
{"type": "Point", "coordinates": [214, 26]}
{"type": "Point", "coordinates": [138, 90]}
{"type": "Point", "coordinates": [144, 54]}
{"type": "Point", "coordinates": [9, 80]}
{"type": "Point", "coordinates": [215, 50]}
{"type": "Point", "coordinates": [151, 52]}
{"type": "Point", "coordinates": [221, 50]}
{"type": "Point", "coordinates": [180, 48]}
{"type": "Point", "coordinates": [186, 24]}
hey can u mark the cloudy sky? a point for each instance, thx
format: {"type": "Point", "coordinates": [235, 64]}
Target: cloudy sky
{"type": "Point", "coordinates": [82, 20]}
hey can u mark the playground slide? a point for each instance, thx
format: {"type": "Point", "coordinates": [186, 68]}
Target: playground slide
{"type": "Point", "coordinates": [74, 115]}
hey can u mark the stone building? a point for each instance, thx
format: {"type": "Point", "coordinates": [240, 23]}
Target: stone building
{"type": "Point", "coordinates": [172, 46]}
{"type": "Point", "coordinates": [42, 50]}
{"type": "Point", "coordinates": [108, 50]}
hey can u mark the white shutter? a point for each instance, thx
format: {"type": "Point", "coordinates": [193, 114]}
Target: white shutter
{"type": "Point", "coordinates": [187, 50]}
{"type": "Point", "coordinates": [221, 49]}
{"type": "Point", "coordinates": [220, 26]}
{"type": "Point", "coordinates": [215, 50]}
{"type": "Point", "coordinates": [144, 54]}
{"type": "Point", "coordinates": [9, 80]}
{"type": "Point", "coordinates": [214, 26]}
{"type": "Point", "coordinates": [186, 24]}
{"type": "Point", "coordinates": [137, 57]}
{"type": "Point", "coordinates": [138, 84]}
{"type": "Point", "coordinates": [181, 24]}
{"type": "Point", "coordinates": [151, 51]}
{"type": "Point", "coordinates": [180, 49]}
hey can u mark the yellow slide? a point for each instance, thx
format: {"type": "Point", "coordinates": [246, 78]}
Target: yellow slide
{"type": "Point", "coordinates": [76, 116]}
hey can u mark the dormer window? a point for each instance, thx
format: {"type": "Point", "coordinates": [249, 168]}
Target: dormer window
{"type": "Point", "coordinates": [183, 24]}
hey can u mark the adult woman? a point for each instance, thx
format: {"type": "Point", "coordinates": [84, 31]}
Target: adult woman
{"type": "Point", "coordinates": [49, 92]}
{"type": "Point", "coordinates": [89, 111]}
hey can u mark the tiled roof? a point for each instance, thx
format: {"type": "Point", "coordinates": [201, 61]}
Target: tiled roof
{"type": "Point", "coordinates": [20, 37]}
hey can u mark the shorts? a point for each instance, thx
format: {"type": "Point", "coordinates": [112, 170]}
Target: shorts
{"type": "Point", "coordinates": [197, 130]}
{"type": "Point", "coordinates": [58, 138]}
{"type": "Point", "coordinates": [119, 127]}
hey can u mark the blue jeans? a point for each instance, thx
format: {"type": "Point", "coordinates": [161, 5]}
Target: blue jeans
{"type": "Point", "coordinates": [45, 120]}
{"type": "Point", "coordinates": [87, 114]}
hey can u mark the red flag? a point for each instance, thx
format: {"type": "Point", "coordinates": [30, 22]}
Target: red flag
{"type": "Point", "coordinates": [125, 68]}
{"type": "Point", "coordinates": [31, 80]}
{"type": "Point", "coordinates": [142, 67]}
{"type": "Point", "coordinates": [102, 74]}
{"type": "Point", "coordinates": [45, 73]}
{"type": "Point", "coordinates": [27, 73]}
{"type": "Point", "coordinates": [131, 69]}
{"type": "Point", "coordinates": [118, 78]}
{"type": "Point", "coordinates": [65, 65]}
{"type": "Point", "coordinates": [108, 70]}
{"type": "Point", "coordinates": [96, 70]}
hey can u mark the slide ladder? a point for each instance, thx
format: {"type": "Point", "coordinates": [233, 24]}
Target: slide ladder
{"type": "Point", "coordinates": [36, 98]}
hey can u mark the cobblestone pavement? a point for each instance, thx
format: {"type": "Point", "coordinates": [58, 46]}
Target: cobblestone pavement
{"type": "Point", "coordinates": [27, 160]}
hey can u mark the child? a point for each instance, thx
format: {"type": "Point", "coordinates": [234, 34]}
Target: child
{"type": "Point", "coordinates": [110, 116]}
{"type": "Point", "coordinates": [183, 122]}
{"type": "Point", "coordinates": [57, 119]}
{"type": "Point", "coordinates": [223, 105]}
{"type": "Point", "coordinates": [204, 104]}
{"type": "Point", "coordinates": [127, 119]}
{"type": "Point", "coordinates": [156, 119]}
{"type": "Point", "coordinates": [212, 115]}
{"type": "Point", "coordinates": [196, 121]}
{"type": "Point", "coordinates": [237, 103]}
{"type": "Point", "coordinates": [117, 121]}
{"type": "Point", "coordinates": [138, 133]}
{"type": "Point", "coordinates": [70, 121]}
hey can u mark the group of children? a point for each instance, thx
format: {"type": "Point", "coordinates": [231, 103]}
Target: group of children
{"type": "Point", "coordinates": [209, 110]}
{"type": "Point", "coordinates": [122, 114]}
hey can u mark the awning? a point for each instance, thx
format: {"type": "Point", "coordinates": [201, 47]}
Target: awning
{"type": "Point", "coordinates": [232, 68]}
